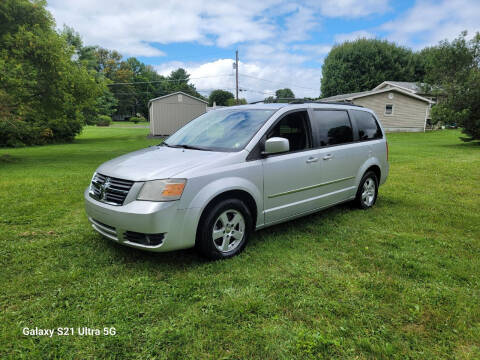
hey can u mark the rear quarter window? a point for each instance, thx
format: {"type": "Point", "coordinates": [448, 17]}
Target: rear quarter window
{"type": "Point", "coordinates": [368, 128]}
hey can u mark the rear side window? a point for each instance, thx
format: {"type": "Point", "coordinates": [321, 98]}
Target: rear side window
{"type": "Point", "coordinates": [368, 128]}
{"type": "Point", "coordinates": [333, 127]}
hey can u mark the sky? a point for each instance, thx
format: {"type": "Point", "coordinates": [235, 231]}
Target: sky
{"type": "Point", "coordinates": [280, 43]}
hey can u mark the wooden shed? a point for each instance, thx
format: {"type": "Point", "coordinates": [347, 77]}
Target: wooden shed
{"type": "Point", "coordinates": [170, 112]}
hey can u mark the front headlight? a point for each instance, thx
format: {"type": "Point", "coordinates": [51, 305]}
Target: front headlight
{"type": "Point", "coordinates": [162, 190]}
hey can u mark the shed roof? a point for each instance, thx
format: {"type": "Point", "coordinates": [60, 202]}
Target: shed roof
{"type": "Point", "coordinates": [176, 93]}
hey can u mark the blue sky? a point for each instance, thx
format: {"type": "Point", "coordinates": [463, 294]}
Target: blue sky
{"type": "Point", "coordinates": [281, 43]}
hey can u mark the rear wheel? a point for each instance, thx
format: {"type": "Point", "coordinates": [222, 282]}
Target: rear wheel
{"type": "Point", "coordinates": [224, 229]}
{"type": "Point", "coordinates": [367, 191]}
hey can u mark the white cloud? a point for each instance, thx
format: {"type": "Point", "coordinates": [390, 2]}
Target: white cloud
{"type": "Point", "coordinates": [351, 8]}
{"type": "Point", "coordinates": [140, 28]}
{"type": "Point", "coordinates": [131, 27]}
{"type": "Point", "coordinates": [279, 54]}
{"type": "Point", "coordinates": [428, 22]}
{"type": "Point", "coordinates": [339, 38]}
{"type": "Point", "coordinates": [298, 24]}
{"type": "Point", "coordinates": [313, 49]}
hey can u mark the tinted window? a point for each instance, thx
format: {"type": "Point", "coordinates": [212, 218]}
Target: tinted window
{"type": "Point", "coordinates": [368, 128]}
{"type": "Point", "coordinates": [333, 127]}
{"type": "Point", "coordinates": [293, 127]}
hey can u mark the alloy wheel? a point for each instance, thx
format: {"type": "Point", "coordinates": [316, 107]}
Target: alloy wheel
{"type": "Point", "coordinates": [368, 192]}
{"type": "Point", "coordinates": [228, 230]}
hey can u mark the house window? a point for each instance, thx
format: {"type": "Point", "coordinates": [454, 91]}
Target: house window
{"type": "Point", "coordinates": [389, 109]}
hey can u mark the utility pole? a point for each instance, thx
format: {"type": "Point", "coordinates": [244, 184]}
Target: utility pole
{"type": "Point", "coordinates": [236, 73]}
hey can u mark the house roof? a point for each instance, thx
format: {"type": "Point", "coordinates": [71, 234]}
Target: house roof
{"type": "Point", "coordinates": [410, 86]}
{"type": "Point", "coordinates": [414, 87]}
{"type": "Point", "coordinates": [177, 93]}
{"type": "Point", "coordinates": [352, 96]}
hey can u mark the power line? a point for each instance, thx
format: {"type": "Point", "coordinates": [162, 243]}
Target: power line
{"type": "Point", "coordinates": [159, 81]}
{"type": "Point", "coordinates": [278, 82]}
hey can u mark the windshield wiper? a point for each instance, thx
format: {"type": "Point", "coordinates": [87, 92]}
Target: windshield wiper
{"type": "Point", "coordinates": [185, 146]}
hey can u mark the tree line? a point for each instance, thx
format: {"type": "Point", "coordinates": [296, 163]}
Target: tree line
{"type": "Point", "coordinates": [51, 84]}
{"type": "Point", "coordinates": [450, 69]}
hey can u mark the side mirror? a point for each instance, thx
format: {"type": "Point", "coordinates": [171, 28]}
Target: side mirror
{"type": "Point", "coordinates": [276, 145]}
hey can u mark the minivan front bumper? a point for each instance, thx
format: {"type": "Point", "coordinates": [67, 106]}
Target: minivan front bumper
{"type": "Point", "coordinates": [146, 225]}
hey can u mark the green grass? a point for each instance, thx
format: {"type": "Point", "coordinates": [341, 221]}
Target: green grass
{"type": "Point", "coordinates": [401, 280]}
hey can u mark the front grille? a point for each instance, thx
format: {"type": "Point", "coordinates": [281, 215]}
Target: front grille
{"type": "Point", "coordinates": [109, 190]}
{"type": "Point", "coordinates": [144, 239]}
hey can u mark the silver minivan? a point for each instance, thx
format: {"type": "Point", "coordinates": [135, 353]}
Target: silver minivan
{"type": "Point", "coordinates": [235, 170]}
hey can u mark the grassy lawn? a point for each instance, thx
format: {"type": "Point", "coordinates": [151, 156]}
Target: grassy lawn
{"type": "Point", "coordinates": [401, 280]}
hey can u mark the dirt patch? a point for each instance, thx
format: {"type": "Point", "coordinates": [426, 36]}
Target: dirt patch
{"type": "Point", "coordinates": [414, 328]}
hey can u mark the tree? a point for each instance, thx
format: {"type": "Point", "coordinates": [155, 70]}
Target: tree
{"type": "Point", "coordinates": [106, 103]}
{"type": "Point", "coordinates": [454, 67]}
{"type": "Point", "coordinates": [233, 101]}
{"type": "Point", "coordinates": [362, 64]}
{"type": "Point", "coordinates": [220, 97]}
{"type": "Point", "coordinates": [42, 91]}
{"type": "Point", "coordinates": [284, 94]}
{"type": "Point", "coordinates": [179, 80]}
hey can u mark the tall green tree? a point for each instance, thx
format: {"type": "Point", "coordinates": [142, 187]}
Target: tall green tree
{"type": "Point", "coordinates": [362, 64]}
{"type": "Point", "coordinates": [43, 92]}
{"type": "Point", "coordinates": [179, 80]}
{"type": "Point", "coordinates": [219, 97]}
{"type": "Point", "coordinates": [148, 84]}
{"type": "Point", "coordinates": [105, 103]}
{"type": "Point", "coordinates": [453, 67]}
{"type": "Point", "coordinates": [284, 94]}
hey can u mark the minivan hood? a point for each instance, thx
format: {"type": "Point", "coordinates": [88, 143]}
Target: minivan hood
{"type": "Point", "coordinates": [157, 162]}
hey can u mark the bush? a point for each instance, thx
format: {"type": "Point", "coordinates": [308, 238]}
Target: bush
{"type": "Point", "coordinates": [136, 120]}
{"type": "Point", "coordinates": [104, 120]}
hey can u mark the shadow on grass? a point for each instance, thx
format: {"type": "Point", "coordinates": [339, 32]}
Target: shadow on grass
{"type": "Point", "coordinates": [189, 257]}
{"type": "Point", "coordinates": [176, 259]}
{"type": "Point", "coordinates": [463, 145]}
{"type": "Point", "coordinates": [8, 159]}
{"type": "Point", "coordinates": [107, 139]}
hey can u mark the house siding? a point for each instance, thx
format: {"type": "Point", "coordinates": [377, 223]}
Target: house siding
{"type": "Point", "coordinates": [167, 114]}
{"type": "Point", "coordinates": [408, 112]}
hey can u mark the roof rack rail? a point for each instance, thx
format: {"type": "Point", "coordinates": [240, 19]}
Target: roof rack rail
{"type": "Point", "coordinates": [337, 103]}
{"type": "Point", "coordinates": [304, 101]}
{"type": "Point", "coordinates": [280, 101]}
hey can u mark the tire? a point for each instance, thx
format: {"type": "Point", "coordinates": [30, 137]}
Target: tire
{"type": "Point", "coordinates": [367, 192]}
{"type": "Point", "coordinates": [224, 229]}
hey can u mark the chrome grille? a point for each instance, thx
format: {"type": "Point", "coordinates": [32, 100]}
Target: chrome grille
{"type": "Point", "coordinates": [109, 190]}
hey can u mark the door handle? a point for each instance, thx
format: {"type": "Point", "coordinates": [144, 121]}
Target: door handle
{"type": "Point", "coordinates": [328, 157]}
{"type": "Point", "coordinates": [311, 160]}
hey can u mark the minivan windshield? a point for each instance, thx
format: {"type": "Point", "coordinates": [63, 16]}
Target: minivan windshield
{"type": "Point", "coordinates": [220, 130]}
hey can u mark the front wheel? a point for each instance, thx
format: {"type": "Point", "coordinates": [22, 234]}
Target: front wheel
{"type": "Point", "coordinates": [224, 229]}
{"type": "Point", "coordinates": [367, 191]}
